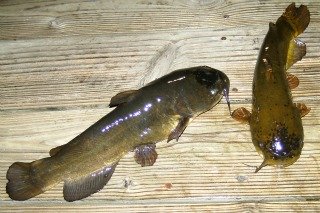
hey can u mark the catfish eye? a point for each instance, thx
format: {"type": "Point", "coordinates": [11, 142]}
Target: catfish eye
{"type": "Point", "coordinates": [207, 78]}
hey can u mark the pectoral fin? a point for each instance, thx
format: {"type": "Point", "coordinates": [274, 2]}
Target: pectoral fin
{"type": "Point", "coordinates": [297, 49]}
{"type": "Point", "coordinates": [145, 155]}
{"type": "Point", "coordinates": [183, 123]}
{"type": "Point", "coordinates": [293, 81]}
{"type": "Point", "coordinates": [122, 97]}
{"type": "Point", "coordinates": [304, 110]}
{"type": "Point", "coordinates": [241, 114]}
{"type": "Point", "coordinates": [85, 186]}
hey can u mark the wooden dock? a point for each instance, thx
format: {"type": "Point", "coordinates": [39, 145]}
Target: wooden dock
{"type": "Point", "coordinates": [62, 61]}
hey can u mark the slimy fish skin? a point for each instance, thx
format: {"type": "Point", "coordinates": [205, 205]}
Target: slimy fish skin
{"type": "Point", "coordinates": [275, 121]}
{"type": "Point", "coordinates": [158, 111]}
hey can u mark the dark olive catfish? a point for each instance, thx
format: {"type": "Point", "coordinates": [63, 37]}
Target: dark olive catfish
{"type": "Point", "coordinates": [275, 121]}
{"type": "Point", "coordinates": [160, 110]}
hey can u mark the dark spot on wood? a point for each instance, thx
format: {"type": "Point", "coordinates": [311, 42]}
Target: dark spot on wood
{"type": "Point", "coordinates": [313, 199]}
{"type": "Point", "coordinates": [234, 89]}
{"type": "Point", "coordinates": [127, 183]}
{"type": "Point", "coordinates": [256, 40]}
{"type": "Point", "coordinates": [53, 108]}
{"type": "Point", "coordinates": [223, 38]}
{"type": "Point", "coordinates": [53, 24]}
{"type": "Point", "coordinates": [168, 185]}
{"type": "Point", "coordinates": [241, 178]}
{"type": "Point", "coordinates": [226, 16]}
{"type": "Point", "coordinates": [31, 8]}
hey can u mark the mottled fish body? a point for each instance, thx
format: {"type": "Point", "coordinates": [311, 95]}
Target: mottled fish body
{"type": "Point", "coordinates": [158, 111]}
{"type": "Point", "coordinates": [275, 121]}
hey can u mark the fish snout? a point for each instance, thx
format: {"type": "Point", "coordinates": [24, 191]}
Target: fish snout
{"type": "Point", "coordinates": [224, 85]}
{"type": "Point", "coordinates": [283, 151]}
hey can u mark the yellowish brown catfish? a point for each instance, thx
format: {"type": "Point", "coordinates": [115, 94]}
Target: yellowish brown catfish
{"type": "Point", "coordinates": [160, 110]}
{"type": "Point", "coordinates": [275, 121]}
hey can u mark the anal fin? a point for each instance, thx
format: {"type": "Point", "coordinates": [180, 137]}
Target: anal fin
{"type": "Point", "coordinates": [145, 155]}
{"type": "Point", "coordinates": [85, 186]}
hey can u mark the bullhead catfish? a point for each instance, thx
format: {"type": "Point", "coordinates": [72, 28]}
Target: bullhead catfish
{"type": "Point", "coordinates": [275, 121]}
{"type": "Point", "coordinates": [160, 110]}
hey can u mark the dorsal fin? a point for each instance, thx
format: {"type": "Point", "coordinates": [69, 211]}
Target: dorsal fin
{"type": "Point", "coordinates": [122, 97]}
{"type": "Point", "coordinates": [55, 150]}
{"type": "Point", "coordinates": [297, 49]}
{"type": "Point", "coordinates": [87, 185]}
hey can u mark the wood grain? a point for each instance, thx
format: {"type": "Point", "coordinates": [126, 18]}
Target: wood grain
{"type": "Point", "coordinates": [62, 61]}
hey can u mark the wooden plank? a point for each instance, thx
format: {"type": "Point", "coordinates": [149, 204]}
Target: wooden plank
{"type": "Point", "coordinates": [74, 71]}
{"type": "Point", "coordinates": [61, 18]}
{"type": "Point", "coordinates": [62, 61]}
{"type": "Point", "coordinates": [294, 206]}
{"type": "Point", "coordinates": [198, 171]}
{"type": "Point", "coordinates": [42, 130]}
{"type": "Point", "coordinates": [225, 175]}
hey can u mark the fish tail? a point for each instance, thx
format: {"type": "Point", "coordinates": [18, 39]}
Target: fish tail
{"type": "Point", "coordinates": [22, 181]}
{"type": "Point", "coordinates": [297, 17]}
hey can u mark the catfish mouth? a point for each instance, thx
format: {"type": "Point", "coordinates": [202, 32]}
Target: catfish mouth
{"type": "Point", "coordinates": [226, 96]}
{"type": "Point", "coordinates": [224, 85]}
{"type": "Point", "coordinates": [279, 154]}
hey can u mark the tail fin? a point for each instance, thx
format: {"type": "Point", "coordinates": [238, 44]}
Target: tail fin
{"type": "Point", "coordinates": [21, 185]}
{"type": "Point", "coordinates": [298, 18]}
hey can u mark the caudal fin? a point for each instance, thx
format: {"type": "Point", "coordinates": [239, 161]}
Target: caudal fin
{"type": "Point", "coordinates": [297, 17]}
{"type": "Point", "coordinates": [21, 185]}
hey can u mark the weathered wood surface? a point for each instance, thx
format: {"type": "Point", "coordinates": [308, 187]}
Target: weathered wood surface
{"type": "Point", "coordinates": [62, 61]}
